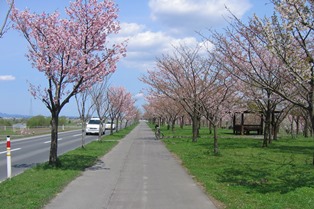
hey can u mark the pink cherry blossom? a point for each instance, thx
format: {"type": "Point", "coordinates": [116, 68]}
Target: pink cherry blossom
{"type": "Point", "coordinates": [72, 52]}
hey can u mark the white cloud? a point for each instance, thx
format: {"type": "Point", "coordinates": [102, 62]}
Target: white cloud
{"type": "Point", "coordinates": [189, 16]}
{"type": "Point", "coordinates": [130, 28]}
{"type": "Point", "coordinates": [145, 45]}
{"type": "Point", "coordinates": [179, 20]}
{"type": "Point", "coordinates": [139, 96]}
{"type": "Point", "coordinates": [7, 78]}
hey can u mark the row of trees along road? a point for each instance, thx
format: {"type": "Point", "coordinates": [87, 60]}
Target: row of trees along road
{"type": "Point", "coordinates": [265, 64]}
{"type": "Point", "coordinates": [196, 82]}
{"type": "Point", "coordinates": [74, 52]}
{"type": "Point", "coordinates": [108, 103]}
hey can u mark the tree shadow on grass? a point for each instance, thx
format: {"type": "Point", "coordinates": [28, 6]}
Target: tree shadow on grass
{"type": "Point", "coordinates": [72, 162]}
{"type": "Point", "coordinates": [230, 143]}
{"type": "Point", "coordinates": [263, 180]}
{"type": "Point", "coordinates": [24, 165]}
{"type": "Point", "coordinates": [293, 149]}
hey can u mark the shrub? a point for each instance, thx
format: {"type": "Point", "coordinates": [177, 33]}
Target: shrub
{"type": "Point", "coordinates": [38, 121]}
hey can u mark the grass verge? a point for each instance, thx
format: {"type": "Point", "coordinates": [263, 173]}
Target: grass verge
{"type": "Point", "coordinates": [245, 175]}
{"type": "Point", "coordinates": [36, 186]}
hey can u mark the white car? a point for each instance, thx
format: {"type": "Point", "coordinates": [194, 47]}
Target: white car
{"type": "Point", "coordinates": [93, 126]}
{"type": "Point", "coordinates": [108, 126]}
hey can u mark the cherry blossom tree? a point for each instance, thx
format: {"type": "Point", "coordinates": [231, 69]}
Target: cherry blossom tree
{"type": "Point", "coordinates": [118, 98]}
{"type": "Point", "coordinates": [84, 107]}
{"type": "Point", "coordinates": [155, 113]}
{"type": "Point", "coordinates": [164, 107]}
{"type": "Point", "coordinates": [246, 54]}
{"type": "Point", "coordinates": [99, 95]}
{"type": "Point", "coordinates": [274, 109]}
{"type": "Point", "coordinates": [150, 112]}
{"type": "Point", "coordinates": [131, 114]}
{"type": "Point", "coordinates": [220, 98]}
{"type": "Point", "coordinates": [183, 77]}
{"type": "Point", "coordinates": [287, 40]}
{"type": "Point", "coordinates": [73, 53]}
{"type": "Point", "coordinates": [288, 35]}
{"type": "Point", "coordinates": [198, 83]}
{"type": "Point", "coordinates": [129, 111]}
{"type": "Point", "coordinates": [171, 110]}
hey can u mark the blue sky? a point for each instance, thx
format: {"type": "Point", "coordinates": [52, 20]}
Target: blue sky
{"type": "Point", "coordinates": [151, 26]}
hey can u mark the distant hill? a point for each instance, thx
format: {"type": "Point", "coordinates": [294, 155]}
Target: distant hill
{"type": "Point", "coordinates": [5, 115]}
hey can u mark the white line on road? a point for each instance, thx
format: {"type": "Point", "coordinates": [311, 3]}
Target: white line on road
{"type": "Point", "coordinates": [77, 135]}
{"type": "Point", "coordinates": [12, 150]}
{"type": "Point", "coordinates": [46, 142]}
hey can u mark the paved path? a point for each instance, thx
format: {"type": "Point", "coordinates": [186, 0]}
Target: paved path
{"type": "Point", "coordinates": [139, 173]}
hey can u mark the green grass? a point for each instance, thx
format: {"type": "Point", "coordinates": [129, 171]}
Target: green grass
{"type": "Point", "coordinates": [245, 175]}
{"type": "Point", "coordinates": [36, 186]}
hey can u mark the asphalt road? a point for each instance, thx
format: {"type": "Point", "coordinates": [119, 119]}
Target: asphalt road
{"type": "Point", "coordinates": [138, 173]}
{"type": "Point", "coordinates": [28, 152]}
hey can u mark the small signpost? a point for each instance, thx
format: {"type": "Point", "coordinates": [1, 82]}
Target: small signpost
{"type": "Point", "coordinates": [9, 168]}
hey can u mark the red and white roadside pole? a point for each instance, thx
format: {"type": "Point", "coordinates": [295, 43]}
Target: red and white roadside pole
{"type": "Point", "coordinates": [9, 167]}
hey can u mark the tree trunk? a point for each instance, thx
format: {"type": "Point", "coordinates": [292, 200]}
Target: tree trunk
{"type": "Point", "coordinates": [111, 127]}
{"type": "Point", "coordinates": [83, 133]}
{"type": "Point", "coordinates": [195, 127]}
{"type": "Point", "coordinates": [100, 131]}
{"type": "Point", "coordinates": [312, 121]}
{"type": "Point", "coordinates": [306, 127]}
{"type": "Point", "coordinates": [311, 105]}
{"type": "Point", "coordinates": [53, 157]}
{"type": "Point", "coordinates": [291, 127]}
{"type": "Point", "coordinates": [181, 122]}
{"type": "Point", "coordinates": [173, 122]}
{"type": "Point", "coordinates": [268, 113]}
{"type": "Point", "coordinates": [117, 125]}
{"type": "Point", "coordinates": [210, 127]}
{"type": "Point", "coordinates": [297, 122]}
{"type": "Point", "coordinates": [216, 150]}
{"type": "Point", "coordinates": [266, 130]}
{"type": "Point", "coordinates": [168, 124]}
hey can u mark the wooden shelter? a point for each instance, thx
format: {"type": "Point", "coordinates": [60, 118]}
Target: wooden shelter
{"type": "Point", "coordinates": [247, 122]}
